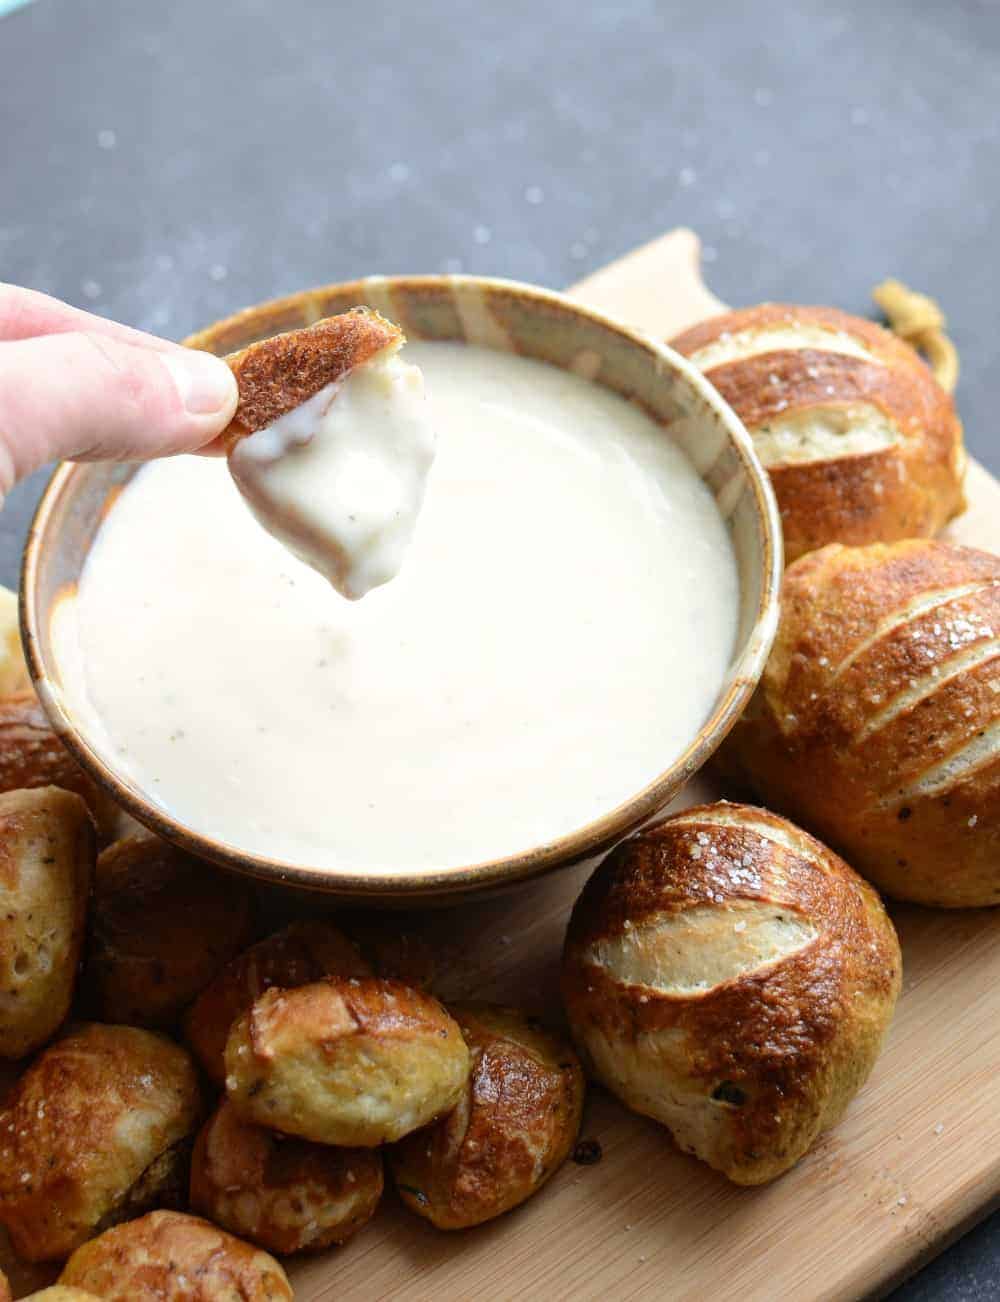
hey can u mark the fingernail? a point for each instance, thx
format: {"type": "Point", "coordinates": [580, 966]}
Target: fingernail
{"type": "Point", "coordinates": [205, 384]}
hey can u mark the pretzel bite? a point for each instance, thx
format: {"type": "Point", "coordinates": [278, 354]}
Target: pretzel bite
{"type": "Point", "coordinates": [732, 978]}
{"type": "Point", "coordinates": [60, 1293]}
{"type": "Point", "coordinates": [861, 442]}
{"type": "Point", "coordinates": [31, 755]}
{"type": "Point", "coordinates": [513, 1127]}
{"type": "Point", "coordinates": [46, 865]}
{"type": "Point", "coordinates": [395, 948]}
{"type": "Point", "coordinates": [285, 1195]}
{"type": "Point", "coordinates": [354, 1062]}
{"type": "Point", "coordinates": [171, 1257]}
{"type": "Point", "coordinates": [281, 373]}
{"type": "Point", "coordinates": [877, 719]}
{"type": "Point", "coordinates": [94, 1132]}
{"type": "Point", "coordinates": [302, 953]}
{"type": "Point", "coordinates": [162, 925]}
{"type": "Point", "coordinates": [331, 445]}
{"type": "Point", "coordinates": [14, 676]}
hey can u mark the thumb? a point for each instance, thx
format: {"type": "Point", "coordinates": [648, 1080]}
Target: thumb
{"type": "Point", "coordinates": [83, 396]}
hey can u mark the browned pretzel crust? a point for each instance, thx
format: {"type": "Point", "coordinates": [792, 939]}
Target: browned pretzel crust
{"type": "Point", "coordinates": [909, 489]}
{"type": "Point", "coordinates": [278, 374]}
{"type": "Point", "coordinates": [877, 720]}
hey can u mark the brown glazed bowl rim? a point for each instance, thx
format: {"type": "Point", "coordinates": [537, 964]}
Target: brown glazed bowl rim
{"type": "Point", "coordinates": [405, 884]}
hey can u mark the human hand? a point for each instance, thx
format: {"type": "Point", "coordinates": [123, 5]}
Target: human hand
{"type": "Point", "coordinates": [77, 387]}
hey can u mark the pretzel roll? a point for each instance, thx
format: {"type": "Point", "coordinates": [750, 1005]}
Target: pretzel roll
{"type": "Point", "coordinates": [512, 1129]}
{"type": "Point", "coordinates": [31, 755]}
{"type": "Point", "coordinates": [352, 1062]}
{"type": "Point", "coordinates": [285, 1195]}
{"type": "Point", "coordinates": [94, 1132]}
{"type": "Point", "coordinates": [861, 442]}
{"type": "Point", "coordinates": [170, 1257]}
{"type": "Point", "coordinates": [162, 925]}
{"type": "Point", "coordinates": [301, 953]}
{"type": "Point", "coordinates": [46, 867]}
{"type": "Point", "coordinates": [732, 978]}
{"type": "Point", "coordinates": [877, 719]}
{"type": "Point", "coordinates": [395, 947]}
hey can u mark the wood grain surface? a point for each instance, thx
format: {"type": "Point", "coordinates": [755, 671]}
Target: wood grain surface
{"type": "Point", "coordinates": [916, 1160]}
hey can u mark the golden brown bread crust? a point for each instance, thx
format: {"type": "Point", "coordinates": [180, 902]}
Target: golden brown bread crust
{"type": "Point", "coordinates": [874, 337]}
{"type": "Point", "coordinates": [82, 1126]}
{"type": "Point", "coordinates": [31, 755]}
{"type": "Point", "coordinates": [163, 1184]}
{"type": "Point", "coordinates": [908, 489]}
{"type": "Point", "coordinates": [301, 953]}
{"type": "Point", "coordinates": [730, 976]}
{"type": "Point", "coordinates": [513, 1128]}
{"type": "Point", "coordinates": [395, 948]}
{"type": "Point", "coordinates": [47, 850]}
{"type": "Point", "coordinates": [285, 1195]}
{"type": "Point", "coordinates": [278, 374]}
{"type": "Point", "coordinates": [163, 924]}
{"type": "Point", "coordinates": [170, 1257]}
{"type": "Point", "coordinates": [884, 671]}
{"type": "Point", "coordinates": [60, 1293]}
{"type": "Point", "coordinates": [354, 1062]}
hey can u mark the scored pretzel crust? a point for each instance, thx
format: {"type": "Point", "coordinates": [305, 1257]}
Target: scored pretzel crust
{"type": "Point", "coordinates": [876, 723]}
{"type": "Point", "coordinates": [910, 488]}
{"type": "Point", "coordinates": [278, 374]}
{"type": "Point", "coordinates": [731, 977]}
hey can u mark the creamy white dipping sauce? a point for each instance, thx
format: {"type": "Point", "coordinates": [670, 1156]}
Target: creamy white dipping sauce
{"type": "Point", "coordinates": [559, 632]}
{"type": "Point", "coordinates": [340, 479]}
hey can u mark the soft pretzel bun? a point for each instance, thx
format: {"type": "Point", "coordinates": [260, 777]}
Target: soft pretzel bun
{"type": "Point", "coordinates": [877, 719]}
{"type": "Point", "coordinates": [31, 755]}
{"type": "Point", "coordinates": [732, 978]}
{"type": "Point", "coordinates": [299, 954]}
{"type": "Point", "coordinates": [93, 1132]}
{"type": "Point", "coordinates": [285, 1195]}
{"type": "Point", "coordinates": [46, 870]}
{"type": "Point", "coordinates": [162, 925]}
{"type": "Point", "coordinates": [395, 947]}
{"type": "Point", "coordinates": [278, 374]}
{"type": "Point", "coordinates": [349, 1061]}
{"type": "Point", "coordinates": [861, 442]}
{"type": "Point", "coordinates": [512, 1129]}
{"type": "Point", "coordinates": [167, 1256]}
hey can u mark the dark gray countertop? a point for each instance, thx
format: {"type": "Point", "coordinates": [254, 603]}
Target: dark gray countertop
{"type": "Point", "coordinates": [167, 164]}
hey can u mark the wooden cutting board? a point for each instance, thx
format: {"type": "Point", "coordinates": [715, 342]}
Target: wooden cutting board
{"type": "Point", "coordinates": [915, 1162]}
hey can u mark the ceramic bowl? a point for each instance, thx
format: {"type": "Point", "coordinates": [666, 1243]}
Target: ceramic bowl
{"type": "Point", "coordinates": [500, 315]}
